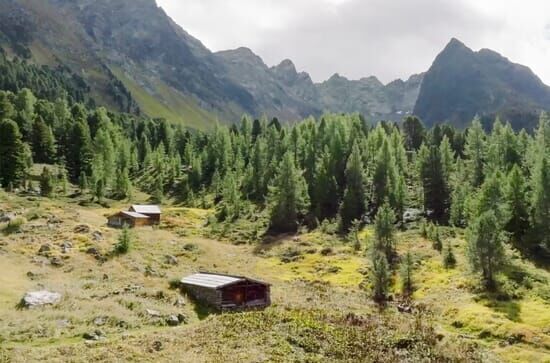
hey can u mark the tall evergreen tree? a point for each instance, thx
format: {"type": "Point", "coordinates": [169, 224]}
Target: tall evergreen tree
{"type": "Point", "coordinates": [13, 155]}
{"type": "Point", "coordinates": [288, 197]}
{"type": "Point", "coordinates": [354, 201]}
{"type": "Point", "coordinates": [434, 182]}
{"type": "Point", "coordinates": [43, 142]}
{"type": "Point", "coordinates": [384, 231]}
{"type": "Point", "coordinates": [475, 152]}
{"type": "Point", "coordinates": [485, 247]}
{"type": "Point", "coordinates": [515, 193]}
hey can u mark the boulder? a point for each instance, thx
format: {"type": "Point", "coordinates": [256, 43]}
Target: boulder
{"type": "Point", "coordinates": [97, 236]}
{"type": "Point", "coordinates": [82, 229]}
{"type": "Point", "coordinates": [171, 260]}
{"type": "Point", "coordinates": [153, 313]}
{"type": "Point", "coordinates": [34, 299]}
{"type": "Point", "coordinates": [173, 320]}
{"type": "Point", "coordinates": [411, 215]}
{"type": "Point", "coordinates": [95, 335]}
{"type": "Point", "coordinates": [93, 251]}
{"type": "Point", "coordinates": [45, 249]}
{"type": "Point", "coordinates": [100, 320]}
{"type": "Point", "coordinates": [182, 319]}
{"type": "Point", "coordinates": [66, 246]}
{"type": "Point", "coordinates": [57, 262]}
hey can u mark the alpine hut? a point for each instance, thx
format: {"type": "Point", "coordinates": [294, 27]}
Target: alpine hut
{"type": "Point", "coordinates": [129, 219]}
{"type": "Point", "coordinates": [151, 211]}
{"type": "Point", "coordinates": [227, 292]}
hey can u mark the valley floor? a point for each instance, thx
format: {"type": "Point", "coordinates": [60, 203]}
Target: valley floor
{"type": "Point", "coordinates": [321, 310]}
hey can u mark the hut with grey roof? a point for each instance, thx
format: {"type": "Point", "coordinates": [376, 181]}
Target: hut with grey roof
{"type": "Point", "coordinates": [151, 211]}
{"type": "Point", "coordinates": [227, 292]}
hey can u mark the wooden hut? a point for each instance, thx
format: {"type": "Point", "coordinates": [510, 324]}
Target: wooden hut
{"type": "Point", "coordinates": [151, 211]}
{"type": "Point", "coordinates": [227, 292]}
{"type": "Point", "coordinates": [129, 219]}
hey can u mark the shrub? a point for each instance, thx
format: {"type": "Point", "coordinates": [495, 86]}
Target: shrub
{"type": "Point", "coordinates": [124, 242]}
{"type": "Point", "coordinates": [449, 259]}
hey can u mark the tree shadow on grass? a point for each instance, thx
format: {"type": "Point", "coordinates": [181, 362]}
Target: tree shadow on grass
{"type": "Point", "coordinates": [511, 309]}
{"type": "Point", "coordinates": [269, 242]}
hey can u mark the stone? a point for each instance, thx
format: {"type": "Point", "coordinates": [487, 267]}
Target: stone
{"type": "Point", "coordinates": [57, 262]}
{"type": "Point", "coordinates": [34, 299]}
{"type": "Point", "coordinates": [66, 246]}
{"type": "Point", "coordinates": [97, 236]}
{"type": "Point", "coordinates": [100, 320]}
{"type": "Point", "coordinates": [412, 215]}
{"type": "Point", "coordinates": [179, 302]}
{"type": "Point", "coordinates": [93, 251]}
{"type": "Point", "coordinates": [157, 346]}
{"type": "Point", "coordinates": [45, 249]}
{"type": "Point", "coordinates": [153, 313]}
{"type": "Point", "coordinates": [95, 335]}
{"type": "Point", "coordinates": [171, 260]}
{"type": "Point", "coordinates": [173, 320]}
{"type": "Point", "coordinates": [82, 229]}
{"type": "Point", "coordinates": [182, 319]}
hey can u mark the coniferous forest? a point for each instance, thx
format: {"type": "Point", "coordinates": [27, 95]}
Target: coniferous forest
{"type": "Point", "coordinates": [338, 170]}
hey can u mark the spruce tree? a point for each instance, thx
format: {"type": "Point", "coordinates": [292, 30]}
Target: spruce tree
{"type": "Point", "coordinates": [83, 182]}
{"type": "Point", "coordinates": [485, 247]}
{"type": "Point", "coordinates": [384, 231]}
{"type": "Point", "coordinates": [288, 199]}
{"type": "Point", "coordinates": [47, 184]}
{"type": "Point", "coordinates": [449, 259]}
{"type": "Point", "coordinates": [325, 195]}
{"type": "Point", "coordinates": [43, 142]}
{"type": "Point", "coordinates": [540, 200]}
{"type": "Point", "coordinates": [515, 192]}
{"type": "Point", "coordinates": [474, 150]}
{"type": "Point", "coordinates": [354, 201]}
{"type": "Point", "coordinates": [407, 287]}
{"type": "Point", "coordinates": [13, 155]}
{"type": "Point", "coordinates": [434, 183]}
{"type": "Point", "coordinates": [380, 277]}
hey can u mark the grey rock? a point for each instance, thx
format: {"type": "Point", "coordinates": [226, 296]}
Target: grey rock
{"type": "Point", "coordinates": [57, 262]}
{"type": "Point", "coordinates": [179, 302]}
{"type": "Point", "coordinates": [82, 229]}
{"type": "Point", "coordinates": [412, 215]}
{"type": "Point", "coordinates": [171, 260]}
{"type": "Point", "coordinates": [153, 313]}
{"type": "Point", "coordinates": [100, 320]}
{"type": "Point", "coordinates": [44, 249]}
{"type": "Point", "coordinates": [34, 299]}
{"type": "Point", "coordinates": [182, 319]}
{"type": "Point", "coordinates": [173, 320]}
{"type": "Point", "coordinates": [95, 335]}
{"type": "Point", "coordinates": [97, 236]}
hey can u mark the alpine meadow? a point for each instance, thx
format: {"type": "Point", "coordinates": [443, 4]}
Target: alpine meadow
{"type": "Point", "coordinates": [162, 202]}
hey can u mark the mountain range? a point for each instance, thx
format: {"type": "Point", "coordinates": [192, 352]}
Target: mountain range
{"type": "Point", "coordinates": [135, 58]}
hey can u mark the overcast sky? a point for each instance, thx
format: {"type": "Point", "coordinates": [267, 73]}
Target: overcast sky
{"type": "Point", "coordinates": [356, 38]}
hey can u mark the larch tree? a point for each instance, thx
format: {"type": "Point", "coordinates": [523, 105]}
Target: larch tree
{"type": "Point", "coordinates": [354, 201]}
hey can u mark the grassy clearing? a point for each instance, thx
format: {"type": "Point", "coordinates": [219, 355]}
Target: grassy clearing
{"type": "Point", "coordinates": [317, 280]}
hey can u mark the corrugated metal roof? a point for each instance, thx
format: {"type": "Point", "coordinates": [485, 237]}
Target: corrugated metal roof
{"type": "Point", "coordinates": [211, 280]}
{"type": "Point", "coordinates": [146, 209]}
{"type": "Point", "coordinates": [135, 215]}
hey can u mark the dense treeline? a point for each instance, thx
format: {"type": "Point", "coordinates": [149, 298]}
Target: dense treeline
{"type": "Point", "coordinates": [337, 169]}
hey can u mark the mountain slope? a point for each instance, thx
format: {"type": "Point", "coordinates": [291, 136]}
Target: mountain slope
{"type": "Point", "coordinates": [462, 83]}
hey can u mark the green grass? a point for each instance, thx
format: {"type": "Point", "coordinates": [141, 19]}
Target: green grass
{"type": "Point", "coordinates": [168, 103]}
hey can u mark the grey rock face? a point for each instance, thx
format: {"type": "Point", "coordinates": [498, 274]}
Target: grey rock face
{"type": "Point", "coordinates": [35, 299]}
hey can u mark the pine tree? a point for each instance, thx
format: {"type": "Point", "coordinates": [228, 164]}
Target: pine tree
{"type": "Point", "coordinates": [47, 184]}
{"type": "Point", "coordinates": [474, 150]}
{"type": "Point", "coordinates": [13, 155]}
{"type": "Point", "coordinates": [485, 247]}
{"type": "Point", "coordinates": [384, 230]}
{"type": "Point", "coordinates": [437, 244]}
{"type": "Point", "coordinates": [43, 142]}
{"type": "Point", "coordinates": [83, 182]}
{"type": "Point", "coordinates": [407, 287]}
{"type": "Point", "coordinates": [288, 197]}
{"type": "Point", "coordinates": [540, 200]}
{"type": "Point", "coordinates": [230, 207]}
{"type": "Point", "coordinates": [380, 277]}
{"type": "Point", "coordinates": [325, 195]}
{"type": "Point", "coordinates": [124, 242]}
{"type": "Point", "coordinates": [515, 193]}
{"type": "Point", "coordinates": [449, 259]}
{"type": "Point", "coordinates": [434, 182]}
{"type": "Point", "coordinates": [354, 201]}
{"type": "Point", "coordinates": [414, 133]}
{"type": "Point", "coordinates": [80, 152]}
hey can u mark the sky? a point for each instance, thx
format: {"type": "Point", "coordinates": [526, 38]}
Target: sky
{"type": "Point", "coordinates": [357, 38]}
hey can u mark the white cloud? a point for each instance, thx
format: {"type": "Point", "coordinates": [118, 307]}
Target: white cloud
{"type": "Point", "coordinates": [356, 38]}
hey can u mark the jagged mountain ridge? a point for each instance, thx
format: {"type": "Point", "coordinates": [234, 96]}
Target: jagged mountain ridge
{"type": "Point", "coordinates": [133, 57]}
{"type": "Point", "coordinates": [462, 83]}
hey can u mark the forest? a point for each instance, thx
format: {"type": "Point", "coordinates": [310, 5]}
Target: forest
{"type": "Point", "coordinates": [337, 172]}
